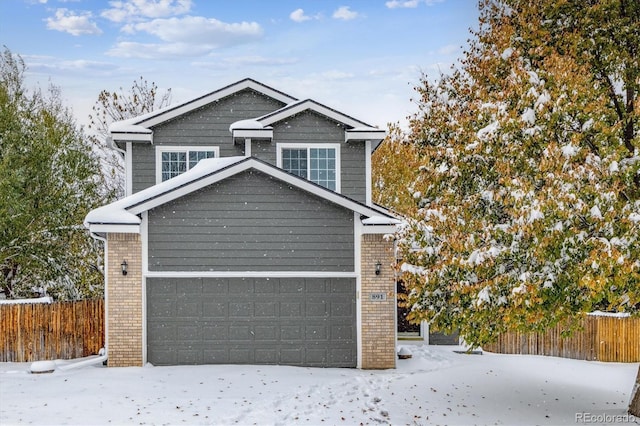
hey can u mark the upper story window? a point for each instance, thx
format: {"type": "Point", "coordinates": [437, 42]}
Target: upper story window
{"type": "Point", "coordinates": [172, 161]}
{"type": "Point", "coordinates": [319, 163]}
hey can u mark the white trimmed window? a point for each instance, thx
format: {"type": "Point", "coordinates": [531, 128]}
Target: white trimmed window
{"type": "Point", "coordinates": [319, 163]}
{"type": "Point", "coordinates": [172, 161]}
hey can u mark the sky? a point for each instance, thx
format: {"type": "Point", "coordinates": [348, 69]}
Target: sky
{"type": "Point", "coordinates": [361, 57]}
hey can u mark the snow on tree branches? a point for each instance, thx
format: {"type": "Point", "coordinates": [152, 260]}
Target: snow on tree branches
{"type": "Point", "coordinates": [523, 209]}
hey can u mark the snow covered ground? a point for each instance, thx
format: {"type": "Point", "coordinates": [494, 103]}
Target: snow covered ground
{"type": "Point", "coordinates": [436, 386]}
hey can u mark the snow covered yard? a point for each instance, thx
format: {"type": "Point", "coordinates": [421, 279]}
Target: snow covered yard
{"type": "Point", "coordinates": [436, 386]}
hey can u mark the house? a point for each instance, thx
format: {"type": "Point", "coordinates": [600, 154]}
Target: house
{"type": "Point", "coordinates": [248, 235]}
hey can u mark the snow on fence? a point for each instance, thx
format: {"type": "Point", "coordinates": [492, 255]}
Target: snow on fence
{"type": "Point", "coordinates": [60, 330]}
{"type": "Point", "coordinates": [602, 338]}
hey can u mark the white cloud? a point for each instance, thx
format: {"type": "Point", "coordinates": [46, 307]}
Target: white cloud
{"type": "Point", "coordinates": [343, 12]}
{"type": "Point", "coordinates": [72, 23]}
{"type": "Point", "coordinates": [199, 30]}
{"type": "Point", "coordinates": [395, 4]}
{"type": "Point", "coordinates": [244, 62]}
{"type": "Point", "coordinates": [334, 75]}
{"type": "Point", "coordinates": [260, 60]}
{"type": "Point", "coordinates": [52, 65]}
{"type": "Point", "coordinates": [299, 16]}
{"type": "Point", "coordinates": [128, 49]}
{"type": "Point", "coordinates": [135, 10]}
{"type": "Point", "coordinates": [409, 4]}
{"type": "Point", "coordinates": [449, 49]}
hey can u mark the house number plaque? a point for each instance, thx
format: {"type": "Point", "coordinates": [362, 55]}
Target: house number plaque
{"type": "Point", "coordinates": [378, 297]}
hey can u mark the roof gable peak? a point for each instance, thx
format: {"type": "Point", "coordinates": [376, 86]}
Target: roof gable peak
{"type": "Point", "coordinates": [310, 105]}
{"type": "Point", "coordinates": [143, 122]}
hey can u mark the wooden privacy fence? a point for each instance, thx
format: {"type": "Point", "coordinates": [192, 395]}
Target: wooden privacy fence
{"type": "Point", "coordinates": [62, 330]}
{"type": "Point", "coordinates": [601, 338]}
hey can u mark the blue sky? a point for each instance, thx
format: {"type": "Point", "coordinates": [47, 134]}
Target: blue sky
{"type": "Point", "coordinates": [362, 57]}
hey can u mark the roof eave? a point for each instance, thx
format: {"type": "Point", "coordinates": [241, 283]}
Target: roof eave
{"type": "Point", "coordinates": [372, 134]}
{"type": "Point", "coordinates": [122, 228]}
{"type": "Point", "coordinates": [266, 133]}
{"type": "Point", "coordinates": [132, 136]}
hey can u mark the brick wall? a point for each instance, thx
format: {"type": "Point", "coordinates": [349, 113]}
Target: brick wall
{"type": "Point", "coordinates": [124, 301]}
{"type": "Point", "coordinates": [378, 316]}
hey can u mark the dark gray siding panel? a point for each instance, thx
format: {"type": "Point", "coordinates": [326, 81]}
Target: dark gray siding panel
{"type": "Point", "coordinates": [144, 166]}
{"type": "Point", "coordinates": [291, 321]}
{"type": "Point", "coordinates": [354, 171]}
{"type": "Point", "coordinates": [264, 150]}
{"type": "Point", "coordinates": [309, 127]}
{"type": "Point", "coordinates": [207, 126]}
{"type": "Point", "coordinates": [251, 222]}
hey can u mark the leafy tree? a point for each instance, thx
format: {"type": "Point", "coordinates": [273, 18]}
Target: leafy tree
{"type": "Point", "coordinates": [395, 163]}
{"type": "Point", "coordinates": [141, 98]}
{"type": "Point", "coordinates": [49, 181]}
{"type": "Point", "coordinates": [526, 210]}
{"type": "Point", "coordinates": [526, 201]}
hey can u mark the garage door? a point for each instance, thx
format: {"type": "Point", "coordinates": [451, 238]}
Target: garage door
{"type": "Point", "coordinates": [291, 321]}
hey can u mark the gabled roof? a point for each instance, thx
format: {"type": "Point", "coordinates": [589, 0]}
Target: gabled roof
{"type": "Point", "coordinates": [309, 105]}
{"type": "Point", "coordinates": [122, 215]}
{"type": "Point", "coordinates": [261, 126]}
{"type": "Point", "coordinates": [142, 123]}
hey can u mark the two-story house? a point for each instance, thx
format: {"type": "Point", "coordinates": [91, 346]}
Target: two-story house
{"type": "Point", "coordinates": [248, 235]}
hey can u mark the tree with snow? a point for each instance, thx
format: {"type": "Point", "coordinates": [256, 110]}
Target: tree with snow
{"type": "Point", "coordinates": [49, 180]}
{"type": "Point", "coordinates": [526, 201]}
{"type": "Point", "coordinates": [142, 98]}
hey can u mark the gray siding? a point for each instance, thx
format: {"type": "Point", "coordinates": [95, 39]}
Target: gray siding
{"type": "Point", "coordinates": [310, 127]}
{"type": "Point", "coordinates": [144, 166]}
{"type": "Point", "coordinates": [353, 167]}
{"type": "Point", "coordinates": [291, 321]}
{"type": "Point", "coordinates": [207, 126]}
{"type": "Point", "coordinates": [250, 221]}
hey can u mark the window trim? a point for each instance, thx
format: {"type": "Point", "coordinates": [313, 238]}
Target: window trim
{"type": "Point", "coordinates": [180, 148]}
{"type": "Point", "coordinates": [307, 146]}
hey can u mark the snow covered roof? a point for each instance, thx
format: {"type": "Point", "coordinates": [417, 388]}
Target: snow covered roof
{"type": "Point", "coordinates": [380, 220]}
{"type": "Point", "coordinates": [140, 126]}
{"type": "Point", "coordinates": [118, 211]}
{"type": "Point", "coordinates": [358, 130]}
{"type": "Point", "coordinates": [122, 215]}
{"type": "Point", "coordinates": [305, 105]}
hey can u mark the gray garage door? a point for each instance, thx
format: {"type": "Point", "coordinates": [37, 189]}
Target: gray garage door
{"type": "Point", "coordinates": [291, 321]}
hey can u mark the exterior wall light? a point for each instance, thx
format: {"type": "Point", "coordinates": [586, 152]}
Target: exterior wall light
{"type": "Point", "coordinates": [378, 267]}
{"type": "Point", "coordinates": [124, 265]}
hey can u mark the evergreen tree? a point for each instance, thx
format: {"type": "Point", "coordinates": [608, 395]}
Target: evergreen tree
{"type": "Point", "coordinates": [49, 180]}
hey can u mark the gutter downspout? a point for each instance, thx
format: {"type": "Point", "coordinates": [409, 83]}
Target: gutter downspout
{"type": "Point", "coordinates": [113, 146]}
{"type": "Point", "coordinates": [127, 163]}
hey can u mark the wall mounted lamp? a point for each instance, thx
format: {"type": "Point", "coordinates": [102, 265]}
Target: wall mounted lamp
{"type": "Point", "coordinates": [124, 265]}
{"type": "Point", "coordinates": [378, 266]}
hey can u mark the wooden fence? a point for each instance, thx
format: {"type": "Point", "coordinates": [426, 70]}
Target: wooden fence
{"type": "Point", "coordinates": [61, 330]}
{"type": "Point", "coordinates": [601, 338]}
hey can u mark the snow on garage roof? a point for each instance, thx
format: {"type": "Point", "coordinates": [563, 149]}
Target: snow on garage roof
{"type": "Point", "coordinates": [123, 213]}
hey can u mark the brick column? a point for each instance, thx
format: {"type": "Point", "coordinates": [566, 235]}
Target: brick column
{"type": "Point", "coordinates": [378, 316]}
{"type": "Point", "coordinates": [124, 300]}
